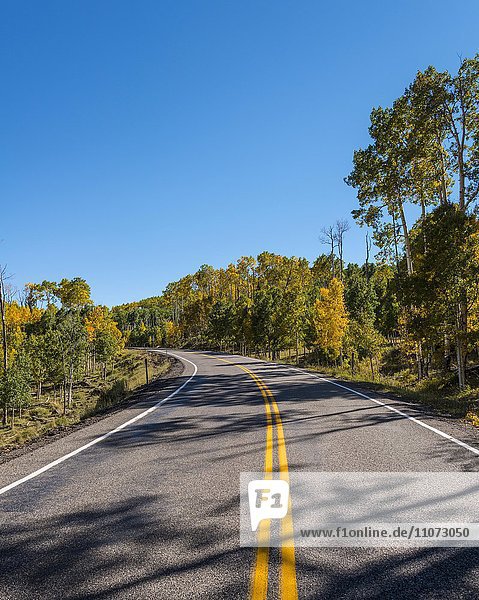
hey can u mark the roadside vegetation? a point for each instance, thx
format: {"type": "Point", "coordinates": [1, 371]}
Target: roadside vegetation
{"type": "Point", "coordinates": [407, 319]}
{"type": "Point", "coordinates": [93, 395]}
{"type": "Point", "coordinates": [62, 359]}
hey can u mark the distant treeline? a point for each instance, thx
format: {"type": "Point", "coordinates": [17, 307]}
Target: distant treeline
{"type": "Point", "coordinates": [422, 289]}
{"type": "Point", "coordinates": [272, 303]}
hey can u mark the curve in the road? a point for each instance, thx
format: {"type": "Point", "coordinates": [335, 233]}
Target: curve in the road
{"type": "Point", "coordinates": [106, 435]}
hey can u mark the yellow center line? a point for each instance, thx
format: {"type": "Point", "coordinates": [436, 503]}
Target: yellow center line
{"type": "Point", "coordinates": [259, 583]}
{"type": "Point", "coordinates": [288, 585]}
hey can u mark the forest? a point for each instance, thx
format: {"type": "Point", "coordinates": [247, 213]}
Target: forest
{"type": "Point", "coordinates": [412, 311]}
{"type": "Point", "coordinates": [52, 335]}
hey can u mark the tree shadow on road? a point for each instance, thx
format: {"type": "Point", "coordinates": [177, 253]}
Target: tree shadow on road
{"type": "Point", "coordinates": [124, 550]}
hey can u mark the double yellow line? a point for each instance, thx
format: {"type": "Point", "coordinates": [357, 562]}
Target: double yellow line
{"type": "Point", "coordinates": [259, 579]}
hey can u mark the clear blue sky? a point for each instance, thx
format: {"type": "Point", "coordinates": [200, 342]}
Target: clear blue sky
{"type": "Point", "coordinates": [141, 139]}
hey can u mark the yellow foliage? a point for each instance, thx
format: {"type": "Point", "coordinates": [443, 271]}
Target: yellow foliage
{"type": "Point", "coordinates": [473, 418]}
{"type": "Point", "coordinates": [99, 320]}
{"type": "Point", "coordinates": [330, 318]}
{"type": "Point", "coordinates": [94, 322]}
{"type": "Point", "coordinates": [173, 333]}
{"type": "Point", "coordinates": [17, 317]}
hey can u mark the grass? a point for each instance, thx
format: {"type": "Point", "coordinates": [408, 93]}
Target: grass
{"type": "Point", "coordinates": [92, 395]}
{"type": "Point", "coordinates": [439, 392]}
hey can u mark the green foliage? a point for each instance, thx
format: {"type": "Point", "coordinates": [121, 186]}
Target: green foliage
{"type": "Point", "coordinates": [221, 322]}
{"type": "Point", "coordinates": [74, 293]}
{"type": "Point", "coordinates": [143, 323]}
{"type": "Point", "coordinates": [57, 337]}
{"type": "Point", "coordinates": [424, 151]}
{"type": "Point", "coordinates": [15, 385]}
{"type": "Point", "coordinates": [360, 295]}
{"type": "Point", "coordinates": [262, 304]}
{"type": "Point", "coordinates": [446, 272]}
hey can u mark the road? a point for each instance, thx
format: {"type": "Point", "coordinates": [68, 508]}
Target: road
{"type": "Point", "coordinates": [152, 509]}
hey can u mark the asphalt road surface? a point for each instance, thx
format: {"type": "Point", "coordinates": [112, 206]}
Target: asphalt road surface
{"type": "Point", "coordinates": [152, 509]}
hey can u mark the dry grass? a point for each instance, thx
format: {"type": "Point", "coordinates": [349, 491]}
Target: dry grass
{"type": "Point", "coordinates": [438, 391]}
{"type": "Point", "coordinates": [91, 396]}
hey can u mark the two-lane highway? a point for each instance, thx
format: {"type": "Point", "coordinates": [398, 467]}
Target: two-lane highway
{"type": "Point", "coordinates": [145, 503]}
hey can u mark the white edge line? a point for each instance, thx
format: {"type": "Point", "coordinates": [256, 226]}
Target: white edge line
{"type": "Point", "coordinates": [399, 412]}
{"type": "Point", "coordinates": [105, 435]}
{"type": "Point", "coordinates": [391, 408]}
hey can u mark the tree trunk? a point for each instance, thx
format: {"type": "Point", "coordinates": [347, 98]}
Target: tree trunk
{"type": "Point", "coordinates": [447, 353]}
{"type": "Point", "coordinates": [461, 371]}
{"type": "Point", "coordinates": [4, 323]}
{"type": "Point", "coordinates": [407, 242]}
{"type": "Point", "coordinates": [64, 392]}
{"type": "Point", "coordinates": [443, 188]}
{"type": "Point", "coordinates": [396, 250]}
{"type": "Point", "coordinates": [419, 361]}
{"type": "Point", "coordinates": [410, 271]}
{"type": "Point", "coordinates": [368, 249]}
{"type": "Point", "coordinates": [461, 330]}
{"type": "Point", "coordinates": [332, 259]}
{"type": "Point", "coordinates": [70, 385]}
{"type": "Point", "coordinates": [423, 220]}
{"type": "Point", "coordinates": [462, 181]}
